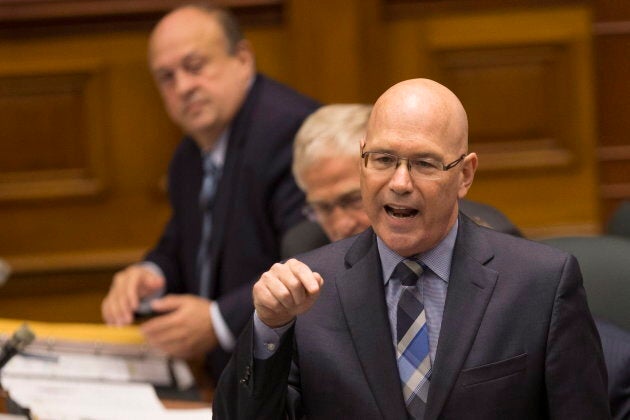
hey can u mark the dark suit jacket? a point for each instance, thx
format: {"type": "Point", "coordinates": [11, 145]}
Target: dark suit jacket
{"type": "Point", "coordinates": [256, 202]}
{"type": "Point", "coordinates": [616, 345]}
{"type": "Point", "coordinates": [517, 341]}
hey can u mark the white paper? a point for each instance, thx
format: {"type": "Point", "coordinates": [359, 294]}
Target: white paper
{"type": "Point", "coordinates": [77, 400]}
{"type": "Point", "coordinates": [95, 367]}
{"type": "Point", "coordinates": [12, 417]}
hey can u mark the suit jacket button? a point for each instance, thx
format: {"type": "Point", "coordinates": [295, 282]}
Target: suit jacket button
{"type": "Point", "coordinates": [247, 375]}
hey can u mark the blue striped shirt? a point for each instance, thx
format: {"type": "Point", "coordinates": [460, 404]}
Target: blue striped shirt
{"type": "Point", "coordinates": [432, 284]}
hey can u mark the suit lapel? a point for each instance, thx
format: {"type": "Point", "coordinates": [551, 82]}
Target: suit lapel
{"type": "Point", "coordinates": [361, 287]}
{"type": "Point", "coordinates": [470, 287]}
{"type": "Point", "coordinates": [231, 178]}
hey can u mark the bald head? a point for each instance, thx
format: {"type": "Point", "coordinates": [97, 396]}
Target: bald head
{"type": "Point", "coordinates": [194, 18]}
{"type": "Point", "coordinates": [416, 165]}
{"type": "Point", "coordinates": [425, 105]}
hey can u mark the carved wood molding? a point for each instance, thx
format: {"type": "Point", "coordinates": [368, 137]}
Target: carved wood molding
{"type": "Point", "coordinates": [63, 89]}
{"type": "Point", "coordinates": [615, 191]}
{"type": "Point", "coordinates": [86, 261]}
{"type": "Point", "coordinates": [612, 28]}
{"type": "Point", "coordinates": [614, 153]}
{"type": "Point", "coordinates": [610, 155]}
{"type": "Point", "coordinates": [405, 8]}
{"type": "Point", "coordinates": [42, 10]}
{"type": "Point", "coordinates": [509, 136]}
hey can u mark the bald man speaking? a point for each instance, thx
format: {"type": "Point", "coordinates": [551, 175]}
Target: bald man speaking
{"type": "Point", "coordinates": [425, 315]}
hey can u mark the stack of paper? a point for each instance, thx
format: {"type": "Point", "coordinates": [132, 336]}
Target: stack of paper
{"type": "Point", "coordinates": [90, 372]}
{"type": "Point", "coordinates": [64, 400]}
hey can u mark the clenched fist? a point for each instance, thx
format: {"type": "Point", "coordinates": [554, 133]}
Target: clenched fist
{"type": "Point", "coordinates": [285, 291]}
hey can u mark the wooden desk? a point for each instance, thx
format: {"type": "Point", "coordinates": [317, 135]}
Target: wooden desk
{"type": "Point", "coordinates": [181, 404]}
{"type": "Point", "coordinates": [3, 401]}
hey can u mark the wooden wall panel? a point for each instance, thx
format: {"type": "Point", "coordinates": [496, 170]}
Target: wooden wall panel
{"type": "Point", "coordinates": [530, 102]}
{"type": "Point", "coordinates": [524, 73]}
{"type": "Point", "coordinates": [85, 148]}
{"type": "Point", "coordinates": [327, 48]}
{"type": "Point", "coordinates": [515, 98]}
{"type": "Point", "coordinates": [52, 117]}
{"type": "Point", "coordinates": [612, 63]}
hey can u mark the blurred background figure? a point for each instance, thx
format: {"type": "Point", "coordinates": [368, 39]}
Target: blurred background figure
{"type": "Point", "coordinates": [230, 188]}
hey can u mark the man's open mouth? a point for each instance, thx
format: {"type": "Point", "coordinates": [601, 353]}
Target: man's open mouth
{"type": "Point", "coordinates": [400, 212]}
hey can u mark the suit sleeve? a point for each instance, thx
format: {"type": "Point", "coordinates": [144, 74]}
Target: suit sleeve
{"type": "Point", "coordinates": [616, 346]}
{"type": "Point", "coordinates": [255, 389]}
{"type": "Point", "coordinates": [575, 372]}
{"type": "Point", "coordinates": [165, 254]}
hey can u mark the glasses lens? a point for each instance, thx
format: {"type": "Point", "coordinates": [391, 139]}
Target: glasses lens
{"type": "Point", "coordinates": [381, 161]}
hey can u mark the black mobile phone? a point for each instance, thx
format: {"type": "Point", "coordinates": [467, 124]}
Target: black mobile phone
{"type": "Point", "coordinates": [145, 316]}
{"type": "Point", "coordinates": [144, 312]}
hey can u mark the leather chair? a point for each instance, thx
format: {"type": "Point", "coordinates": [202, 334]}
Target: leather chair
{"type": "Point", "coordinates": [619, 223]}
{"type": "Point", "coordinates": [605, 264]}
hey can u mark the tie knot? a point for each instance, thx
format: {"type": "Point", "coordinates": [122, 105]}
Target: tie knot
{"type": "Point", "coordinates": [408, 271]}
{"type": "Point", "coordinates": [209, 167]}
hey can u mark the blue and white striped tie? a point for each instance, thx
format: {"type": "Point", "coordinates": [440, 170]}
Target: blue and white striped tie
{"type": "Point", "coordinates": [206, 202]}
{"type": "Point", "coordinates": [412, 339]}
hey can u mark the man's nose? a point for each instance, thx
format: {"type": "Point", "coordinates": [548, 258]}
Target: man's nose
{"type": "Point", "coordinates": [401, 181]}
{"type": "Point", "coordinates": [184, 83]}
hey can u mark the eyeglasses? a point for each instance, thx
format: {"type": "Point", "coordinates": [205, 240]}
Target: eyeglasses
{"type": "Point", "coordinates": [425, 167]}
{"type": "Point", "coordinates": [321, 210]}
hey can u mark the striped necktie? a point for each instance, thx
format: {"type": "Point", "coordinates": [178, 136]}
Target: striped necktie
{"type": "Point", "coordinates": [412, 339]}
{"type": "Point", "coordinates": [206, 202]}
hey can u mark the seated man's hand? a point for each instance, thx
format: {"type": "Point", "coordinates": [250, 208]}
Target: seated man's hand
{"type": "Point", "coordinates": [128, 287]}
{"type": "Point", "coordinates": [285, 291]}
{"type": "Point", "coordinates": [184, 330]}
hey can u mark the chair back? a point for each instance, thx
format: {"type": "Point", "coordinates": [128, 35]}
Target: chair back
{"type": "Point", "coordinates": [605, 264]}
{"type": "Point", "coordinates": [619, 223]}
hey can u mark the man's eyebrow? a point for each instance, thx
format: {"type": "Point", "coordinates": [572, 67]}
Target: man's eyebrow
{"type": "Point", "coordinates": [194, 55]}
{"type": "Point", "coordinates": [417, 155]}
{"type": "Point", "coordinates": [351, 192]}
{"type": "Point", "coordinates": [343, 195]}
{"type": "Point", "coordinates": [426, 155]}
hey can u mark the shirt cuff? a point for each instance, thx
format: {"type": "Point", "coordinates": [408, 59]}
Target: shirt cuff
{"type": "Point", "coordinates": [150, 265]}
{"type": "Point", "coordinates": [267, 339]}
{"type": "Point", "coordinates": [221, 330]}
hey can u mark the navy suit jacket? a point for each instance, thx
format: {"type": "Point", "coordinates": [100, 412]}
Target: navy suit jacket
{"type": "Point", "coordinates": [616, 345]}
{"type": "Point", "coordinates": [517, 341]}
{"type": "Point", "coordinates": [256, 202]}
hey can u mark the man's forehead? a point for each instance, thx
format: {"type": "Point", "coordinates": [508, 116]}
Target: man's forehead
{"type": "Point", "coordinates": [176, 41]}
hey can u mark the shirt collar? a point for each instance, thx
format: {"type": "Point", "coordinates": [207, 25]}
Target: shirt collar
{"type": "Point", "coordinates": [438, 259]}
{"type": "Point", "coordinates": [217, 154]}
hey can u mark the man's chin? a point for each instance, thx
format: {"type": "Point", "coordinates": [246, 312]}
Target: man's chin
{"type": "Point", "coordinates": [405, 244]}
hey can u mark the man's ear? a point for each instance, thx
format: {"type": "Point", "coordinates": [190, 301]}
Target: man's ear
{"type": "Point", "coordinates": [469, 167]}
{"type": "Point", "coordinates": [244, 52]}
